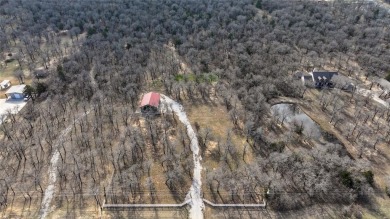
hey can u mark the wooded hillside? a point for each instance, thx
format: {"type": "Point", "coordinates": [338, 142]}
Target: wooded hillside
{"type": "Point", "coordinates": [236, 56]}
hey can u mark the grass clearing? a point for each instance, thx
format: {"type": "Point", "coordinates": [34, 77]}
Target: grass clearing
{"type": "Point", "coordinates": [7, 73]}
{"type": "Point", "coordinates": [216, 118]}
{"type": "Point", "coordinates": [202, 78]}
{"type": "Point", "coordinates": [9, 69]}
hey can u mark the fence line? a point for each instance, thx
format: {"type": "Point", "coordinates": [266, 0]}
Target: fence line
{"type": "Point", "coordinates": [264, 204]}
{"type": "Point", "coordinates": [146, 205]}
{"type": "Point", "coordinates": [236, 205]}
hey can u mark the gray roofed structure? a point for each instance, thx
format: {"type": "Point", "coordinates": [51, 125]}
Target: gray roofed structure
{"type": "Point", "coordinates": [299, 74]}
{"type": "Point", "coordinates": [307, 80]}
{"type": "Point", "coordinates": [383, 83]}
{"type": "Point", "coordinates": [323, 78]}
{"type": "Point", "coordinates": [16, 89]}
{"type": "Point", "coordinates": [318, 75]}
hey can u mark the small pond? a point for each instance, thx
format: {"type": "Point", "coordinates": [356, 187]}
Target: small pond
{"type": "Point", "coordinates": [294, 119]}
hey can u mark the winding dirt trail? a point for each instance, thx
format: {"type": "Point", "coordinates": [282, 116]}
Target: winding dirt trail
{"type": "Point", "coordinates": [194, 195]}
{"type": "Point", "coordinates": [49, 191]}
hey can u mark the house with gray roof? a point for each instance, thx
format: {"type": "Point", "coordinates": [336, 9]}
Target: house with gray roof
{"type": "Point", "coordinates": [318, 79]}
{"type": "Point", "coordinates": [323, 79]}
{"type": "Point", "coordinates": [16, 92]}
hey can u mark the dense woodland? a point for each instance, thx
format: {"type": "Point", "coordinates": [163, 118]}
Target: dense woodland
{"type": "Point", "coordinates": [242, 53]}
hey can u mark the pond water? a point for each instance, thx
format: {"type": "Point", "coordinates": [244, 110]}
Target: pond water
{"type": "Point", "coordinates": [294, 119]}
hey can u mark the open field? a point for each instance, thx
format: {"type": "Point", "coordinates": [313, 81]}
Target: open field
{"type": "Point", "coordinates": [214, 116]}
{"type": "Point", "coordinates": [7, 70]}
{"type": "Point", "coordinates": [214, 126]}
{"type": "Point", "coordinates": [7, 73]}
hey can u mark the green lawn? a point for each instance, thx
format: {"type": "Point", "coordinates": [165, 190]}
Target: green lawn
{"type": "Point", "coordinates": [201, 78]}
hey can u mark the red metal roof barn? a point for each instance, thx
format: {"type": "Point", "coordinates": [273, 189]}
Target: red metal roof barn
{"type": "Point", "coordinates": [150, 102]}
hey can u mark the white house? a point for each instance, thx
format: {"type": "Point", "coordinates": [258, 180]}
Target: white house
{"type": "Point", "coordinates": [5, 84]}
{"type": "Point", "coordinates": [16, 92]}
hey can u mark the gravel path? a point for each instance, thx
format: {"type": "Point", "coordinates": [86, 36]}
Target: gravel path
{"type": "Point", "coordinates": [194, 195]}
{"type": "Point", "coordinates": [49, 192]}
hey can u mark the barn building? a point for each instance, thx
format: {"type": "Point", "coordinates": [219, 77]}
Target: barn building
{"type": "Point", "coordinates": [150, 103]}
{"type": "Point", "coordinates": [16, 92]}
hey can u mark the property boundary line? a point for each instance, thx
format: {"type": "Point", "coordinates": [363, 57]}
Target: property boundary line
{"type": "Point", "coordinates": [264, 204]}
{"type": "Point", "coordinates": [105, 206]}
{"type": "Point", "coordinates": [146, 205]}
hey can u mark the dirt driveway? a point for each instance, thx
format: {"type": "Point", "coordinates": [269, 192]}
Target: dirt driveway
{"type": "Point", "coordinates": [13, 106]}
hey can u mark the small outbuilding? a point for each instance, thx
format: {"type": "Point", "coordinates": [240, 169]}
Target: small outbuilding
{"type": "Point", "coordinates": [16, 92]}
{"type": "Point", "coordinates": [298, 75]}
{"type": "Point", "coordinates": [150, 103]}
{"type": "Point", "coordinates": [307, 80]}
{"type": "Point", "coordinates": [5, 84]}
